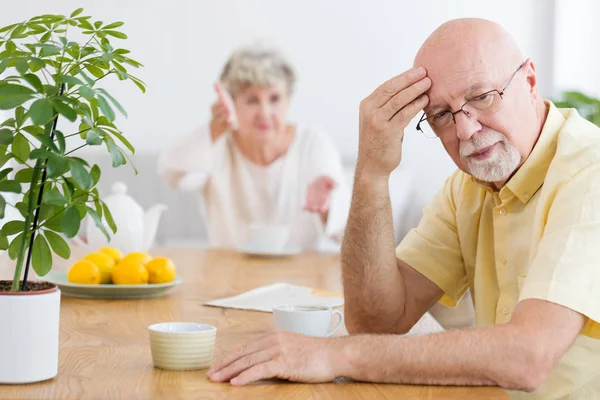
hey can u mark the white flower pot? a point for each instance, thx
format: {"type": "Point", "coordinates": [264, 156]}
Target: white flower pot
{"type": "Point", "coordinates": [29, 326]}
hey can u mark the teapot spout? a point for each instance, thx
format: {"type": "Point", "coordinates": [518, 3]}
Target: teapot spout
{"type": "Point", "coordinates": [151, 219]}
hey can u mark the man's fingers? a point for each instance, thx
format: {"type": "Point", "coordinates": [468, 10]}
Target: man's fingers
{"type": "Point", "coordinates": [391, 87]}
{"type": "Point", "coordinates": [410, 111]}
{"type": "Point", "coordinates": [266, 370]}
{"type": "Point", "coordinates": [405, 97]}
{"type": "Point", "coordinates": [243, 351]}
{"type": "Point", "coordinates": [240, 365]}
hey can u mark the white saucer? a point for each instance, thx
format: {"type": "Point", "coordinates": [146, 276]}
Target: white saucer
{"type": "Point", "coordinates": [287, 252]}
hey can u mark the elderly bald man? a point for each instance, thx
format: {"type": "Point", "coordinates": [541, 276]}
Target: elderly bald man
{"type": "Point", "coordinates": [518, 223]}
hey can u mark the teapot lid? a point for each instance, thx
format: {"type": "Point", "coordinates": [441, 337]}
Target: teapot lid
{"type": "Point", "coordinates": [121, 203]}
{"type": "Point", "coordinates": [118, 188]}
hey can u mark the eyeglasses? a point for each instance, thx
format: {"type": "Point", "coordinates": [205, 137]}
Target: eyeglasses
{"type": "Point", "coordinates": [440, 124]}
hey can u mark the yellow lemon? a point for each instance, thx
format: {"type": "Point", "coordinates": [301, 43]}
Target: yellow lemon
{"type": "Point", "coordinates": [137, 256]}
{"type": "Point", "coordinates": [84, 272]}
{"type": "Point", "coordinates": [104, 262]}
{"type": "Point", "coordinates": [160, 270]}
{"type": "Point", "coordinates": [130, 273]}
{"type": "Point", "coordinates": [112, 252]}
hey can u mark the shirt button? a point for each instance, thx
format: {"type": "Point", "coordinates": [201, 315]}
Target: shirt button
{"type": "Point", "coordinates": [503, 260]}
{"type": "Point", "coordinates": [503, 211]}
{"type": "Point", "coordinates": [505, 311]}
{"type": "Point", "coordinates": [525, 196]}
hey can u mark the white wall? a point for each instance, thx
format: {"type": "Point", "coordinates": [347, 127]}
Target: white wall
{"type": "Point", "coordinates": [577, 55]}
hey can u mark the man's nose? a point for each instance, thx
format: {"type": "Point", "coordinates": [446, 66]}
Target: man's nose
{"type": "Point", "coordinates": [466, 125]}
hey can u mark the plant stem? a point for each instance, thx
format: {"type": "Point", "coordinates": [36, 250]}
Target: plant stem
{"type": "Point", "coordinates": [52, 127]}
{"type": "Point", "coordinates": [83, 145]}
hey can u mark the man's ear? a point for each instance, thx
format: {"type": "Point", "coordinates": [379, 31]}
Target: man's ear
{"type": "Point", "coordinates": [531, 79]}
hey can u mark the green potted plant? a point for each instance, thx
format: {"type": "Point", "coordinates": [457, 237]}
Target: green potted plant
{"type": "Point", "coordinates": [52, 67]}
{"type": "Point", "coordinates": [588, 107]}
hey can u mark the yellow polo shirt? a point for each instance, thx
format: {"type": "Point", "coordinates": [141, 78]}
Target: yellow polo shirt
{"type": "Point", "coordinates": [536, 238]}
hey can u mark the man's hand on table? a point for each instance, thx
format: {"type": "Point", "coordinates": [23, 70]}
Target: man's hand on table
{"type": "Point", "coordinates": [283, 355]}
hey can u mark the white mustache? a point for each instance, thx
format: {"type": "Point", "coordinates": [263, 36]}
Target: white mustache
{"type": "Point", "coordinates": [480, 141]}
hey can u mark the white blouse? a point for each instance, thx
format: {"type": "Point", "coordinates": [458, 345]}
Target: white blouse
{"type": "Point", "coordinates": [237, 192]}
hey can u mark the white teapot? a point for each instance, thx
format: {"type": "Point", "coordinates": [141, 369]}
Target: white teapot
{"type": "Point", "coordinates": [136, 229]}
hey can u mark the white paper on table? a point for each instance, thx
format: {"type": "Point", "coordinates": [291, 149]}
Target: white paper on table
{"type": "Point", "coordinates": [427, 324]}
{"type": "Point", "coordinates": [265, 298]}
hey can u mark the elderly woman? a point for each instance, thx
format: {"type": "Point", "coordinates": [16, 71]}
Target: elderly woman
{"type": "Point", "coordinates": [251, 166]}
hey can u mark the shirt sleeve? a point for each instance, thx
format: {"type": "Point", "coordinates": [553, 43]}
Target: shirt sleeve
{"type": "Point", "coordinates": [324, 160]}
{"type": "Point", "coordinates": [565, 267]}
{"type": "Point", "coordinates": [187, 164]}
{"type": "Point", "coordinates": [433, 247]}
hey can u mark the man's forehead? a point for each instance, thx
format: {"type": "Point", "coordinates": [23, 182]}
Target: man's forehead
{"type": "Point", "coordinates": [451, 86]}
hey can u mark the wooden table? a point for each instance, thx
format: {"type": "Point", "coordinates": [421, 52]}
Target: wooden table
{"type": "Point", "coordinates": [105, 352]}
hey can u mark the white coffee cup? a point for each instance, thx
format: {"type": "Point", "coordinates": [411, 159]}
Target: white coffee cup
{"type": "Point", "coordinates": [265, 238]}
{"type": "Point", "coordinates": [307, 320]}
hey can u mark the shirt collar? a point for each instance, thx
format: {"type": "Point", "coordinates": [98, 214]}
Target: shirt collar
{"type": "Point", "coordinates": [530, 176]}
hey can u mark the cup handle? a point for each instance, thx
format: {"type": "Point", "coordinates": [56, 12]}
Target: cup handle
{"type": "Point", "coordinates": [340, 321]}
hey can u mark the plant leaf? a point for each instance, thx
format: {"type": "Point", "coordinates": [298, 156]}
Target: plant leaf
{"type": "Point", "coordinates": [76, 12]}
{"type": "Point", "coordinates": [97, 72]}
{"type": "Point", "coordinates": [115, 153]}
{"type": "Point", "coordinates": [106, 108]}
{"type": "Point", "coordinates": [2, 209]}
{"type": "Point", "coordinates": [54, 197]}
{"type": "Point", "coordinates": [70, 222]}
{"type": "Point", "coordinates": [5, 172]}
{"type": "Point", "coordinates": [93, 138]}
{"type": "Point", "coordinates": [24, 175]}
{"type": "Point", "coordinates": [65, 110]}
{"type": "Point", "coordinates": [3, 240]}
{"type": "Point", "coordinates": [95, 174]}
{"type": "Point", "coordinates": [123, 140]}
{"type": "Point", "coordinates": [86, 92]}
{"type": "Point", "coordinates": [114, 102]}
{"type": "Point", "coordinates": [41, 111]}
{"type": "Point", "coordinates": [13, 227]}
{"type": "Point", "coordinates": [40, 153]}
{"type": "Point", "coordinates": [21, 65]}
{"type": "Point", "coordinates": [109, 218]}
{"type": "Point", "coordinates": [60, 138]}
{"type": "Point", "coordinates": [6, 136]}
{"type": "Point", "coordinates": [80, 175]}
{"type": "Point", "coordinates": [41, 257]}
{"type": "Point", "coordinates": [116, 34]}
{"type": "Point", "coordinates": [59, 245]}
{"type": "Point", "coordinates": [34, 81]}
{"type": "Point", "coordinates": [113, 25]}
{"type": "Point", "coordinates": [15, 246]}
{"type": "Point", "coordinates": [98, 221]}
{"type": "Point", "coordinates": [12, 95]}
{"type": "Point", "coordinates": [138, 83]}
{"type": "Point", "coordinates": [20, 148]}
{"type": "Point", "coordinates": [10, 186]}
{"type": "Point", "coordinates": [56, 166]}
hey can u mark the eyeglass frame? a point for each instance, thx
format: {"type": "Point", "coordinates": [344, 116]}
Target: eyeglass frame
{"type": "Point", "coordinates": [453, 113]}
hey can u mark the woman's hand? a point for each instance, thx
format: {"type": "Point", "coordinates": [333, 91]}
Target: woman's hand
{"type": "Point", "coordinates": [223, 114]}
{"type": "Point", "coordinates": [318, 196]}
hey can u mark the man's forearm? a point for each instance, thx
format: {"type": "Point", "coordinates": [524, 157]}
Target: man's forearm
{"type": "Point", "coordinates": [488, 356]}
{"type": "Point", "coordinates": [373, 287]}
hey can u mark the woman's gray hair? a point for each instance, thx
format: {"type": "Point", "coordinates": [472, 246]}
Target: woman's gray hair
{"type": "Point", "coordinates": [257, 65]}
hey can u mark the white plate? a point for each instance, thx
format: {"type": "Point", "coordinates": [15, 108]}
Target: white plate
{"type": "Point", "coordinates": [108, 291]}
{"type": "Point", "coordinates": [288, 252]}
